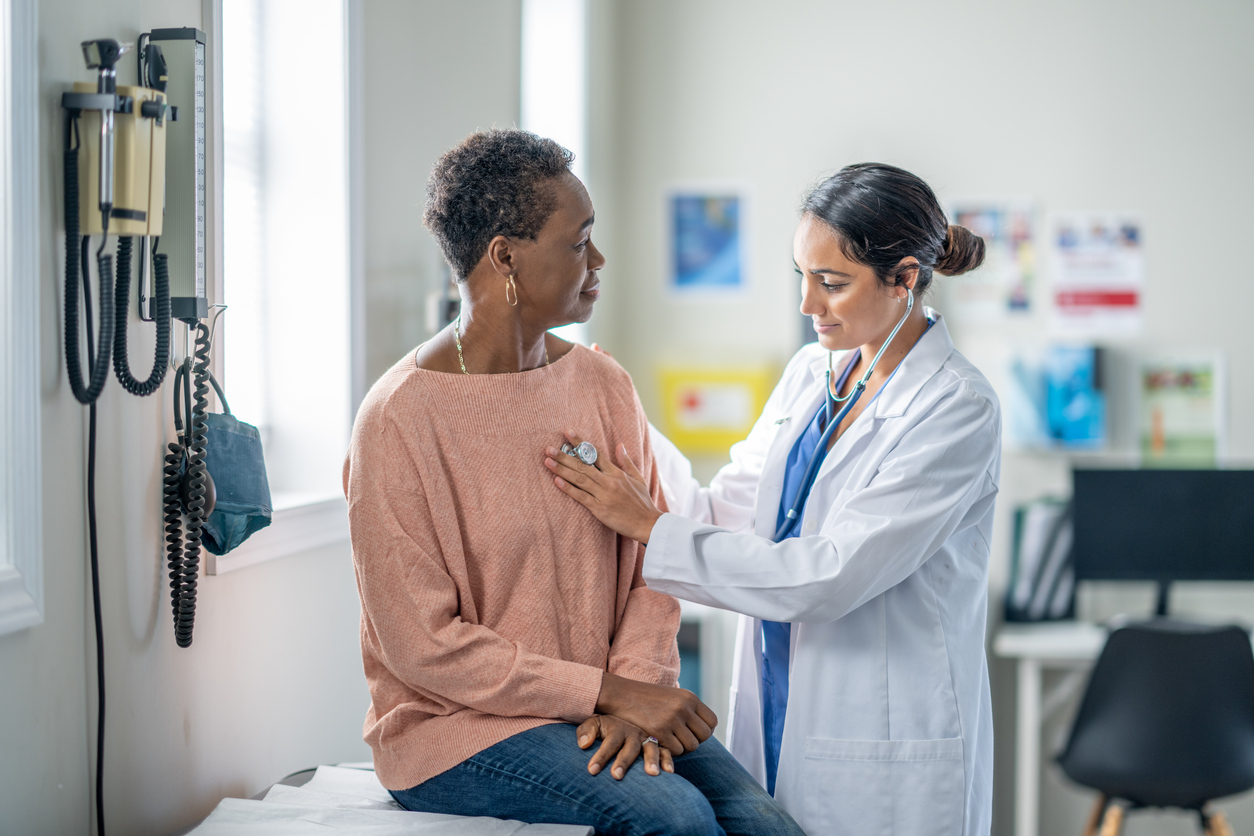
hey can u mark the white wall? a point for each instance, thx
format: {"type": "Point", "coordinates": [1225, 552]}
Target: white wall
{"type": "Point", "coordinates": [273, 681]}
{"type": "Point", "coordinates": [434, 72]}
{"type": "Point", "coordinates": [1116, 105]}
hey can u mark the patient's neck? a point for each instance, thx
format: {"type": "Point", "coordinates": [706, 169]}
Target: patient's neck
{"type": "Point", "coordinates": [497, 338]}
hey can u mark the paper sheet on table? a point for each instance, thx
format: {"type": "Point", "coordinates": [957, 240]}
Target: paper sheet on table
{"type": "Point", "coordinates": [245, 817]}
{"type": "Point", "coordinates": [347, 781]}
{"type": "Point", "coordinates": [351, 800]}
{"type": "Point", "coordinates": [315, 798]}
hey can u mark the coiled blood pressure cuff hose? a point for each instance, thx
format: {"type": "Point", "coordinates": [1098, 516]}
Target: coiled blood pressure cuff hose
{"type": "Point", "coordinates": [184, 485]}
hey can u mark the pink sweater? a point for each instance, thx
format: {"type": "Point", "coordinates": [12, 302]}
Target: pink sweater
{"type": "Point", "coordinates": [492, 602]}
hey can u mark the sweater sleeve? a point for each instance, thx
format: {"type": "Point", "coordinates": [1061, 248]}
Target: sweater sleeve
{"type": "Point", "coordinates": [410, 603]}
{"type": "Point", "coordinates": [644, 646]}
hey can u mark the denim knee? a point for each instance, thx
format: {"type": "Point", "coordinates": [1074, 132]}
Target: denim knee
{"type": "Point", "coordinates": [690, 815]}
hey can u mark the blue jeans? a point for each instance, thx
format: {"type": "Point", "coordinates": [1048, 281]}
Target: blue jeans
{"type": "Point", "coordinates": [541, 776]}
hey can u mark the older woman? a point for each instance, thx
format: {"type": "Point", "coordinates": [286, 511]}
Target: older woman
{"type": "Point", "coordinates": [503, 630]}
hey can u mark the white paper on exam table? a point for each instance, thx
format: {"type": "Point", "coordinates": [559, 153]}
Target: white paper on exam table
{"type": "Point", "coordinates": [351, 782]}
{"type": "Point", "coordinates": [353, 801]}
{"type": "Point", "coordinates": [245, 817]}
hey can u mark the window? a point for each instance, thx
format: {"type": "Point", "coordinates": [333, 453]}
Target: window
{"type": "Point", "coordinates": [555, 88]}
{"type": "Point", "coordinates": [285, 341]}
{"type": "Point", "coordinates": [21, 558]}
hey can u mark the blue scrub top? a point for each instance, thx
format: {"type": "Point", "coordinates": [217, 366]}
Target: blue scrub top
{"type": "Point", "coordinates": [777, 635]}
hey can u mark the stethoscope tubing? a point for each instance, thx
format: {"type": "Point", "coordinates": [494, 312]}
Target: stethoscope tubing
{"type": "Point", "coordinates": [816, 461]}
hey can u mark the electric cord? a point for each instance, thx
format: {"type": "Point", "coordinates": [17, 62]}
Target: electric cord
{"type": "Point", "coordinates": [122, 295]}
{"type": "Point", "coordinates": [98, 362]}
{"type": "Point", "coordinates": [94, 551]}
{"type": "Point", "coordinates": [95, 601]}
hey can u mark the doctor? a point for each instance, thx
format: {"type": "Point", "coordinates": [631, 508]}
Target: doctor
{"type": "Point", "coordinates": [851, 529]}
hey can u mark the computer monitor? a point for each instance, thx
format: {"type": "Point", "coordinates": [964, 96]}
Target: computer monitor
{"type": "Point", "coordinates": [1164, 526]}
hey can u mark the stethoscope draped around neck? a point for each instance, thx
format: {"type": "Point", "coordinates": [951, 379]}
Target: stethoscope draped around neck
{"type": "Point", "coordinates": [807, 481]}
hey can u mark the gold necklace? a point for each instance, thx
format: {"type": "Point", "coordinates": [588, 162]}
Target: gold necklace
{"type": "Point", "coordinates": [457, 327]}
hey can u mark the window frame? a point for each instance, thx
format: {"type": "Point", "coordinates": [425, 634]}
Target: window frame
{"type": "Point", "coordinates": [21, 493]}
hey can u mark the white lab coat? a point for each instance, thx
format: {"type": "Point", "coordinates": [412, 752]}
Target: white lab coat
{"type": "Point", "coordinates": [889, 727]}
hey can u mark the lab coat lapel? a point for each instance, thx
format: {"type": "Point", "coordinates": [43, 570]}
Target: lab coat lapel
{"type": "Point", "coordinates": [803, 407]}
{"type": "Point", "coordinates": [923, 361]}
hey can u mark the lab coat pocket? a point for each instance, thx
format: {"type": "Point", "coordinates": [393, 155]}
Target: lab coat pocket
{"type": "Point", "coordinates": [883, 787]}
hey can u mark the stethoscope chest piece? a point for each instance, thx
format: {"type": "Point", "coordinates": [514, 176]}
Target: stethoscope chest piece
{"type": "Point", "coordinates": [584, 451]}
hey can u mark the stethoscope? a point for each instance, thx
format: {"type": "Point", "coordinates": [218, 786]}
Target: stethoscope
{"type": "Point", "coordinates": [807, 481]}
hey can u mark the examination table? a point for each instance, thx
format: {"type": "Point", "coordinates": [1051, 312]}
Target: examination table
{"type": "Point", "coordinates": [348, 798]}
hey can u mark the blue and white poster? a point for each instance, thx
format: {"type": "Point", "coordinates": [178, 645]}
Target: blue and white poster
{"type": "Point", "coordinates": [1056, 398]}
{"type": "Point", "coordinates": [706, 242]}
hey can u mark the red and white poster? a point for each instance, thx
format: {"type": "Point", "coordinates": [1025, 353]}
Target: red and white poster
{"type": "Point", "coordinates": [1098, 274]}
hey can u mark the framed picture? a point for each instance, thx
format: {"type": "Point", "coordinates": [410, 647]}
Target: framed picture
{"type": "Point", "coordinates": [707, 410]}
{"type": "Point", "coordinates": [1055, 398]}
{"type": "Point", "coordinates": [1005, 283]}
{"type": "Point", "coordinates": [705, 234]}
{"type": "Point", "coordinates": [1098, 274]}
{"type": "Point", "coordinates": [1182, 409]}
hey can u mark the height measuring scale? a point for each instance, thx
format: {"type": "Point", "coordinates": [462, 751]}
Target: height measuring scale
{"type": "Point", "coordinates": [184, 238]}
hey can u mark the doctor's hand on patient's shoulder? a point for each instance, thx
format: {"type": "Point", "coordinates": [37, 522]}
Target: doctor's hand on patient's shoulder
{"type": "Point", "coordinates": [679, 720]}
{"type": "Point", "coordinates": [617, 495]}
{"type": "Point", "coordinates": [624, 740]}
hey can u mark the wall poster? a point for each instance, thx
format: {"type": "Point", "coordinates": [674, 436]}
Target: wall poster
{"type": "Point", "coordinates": [707, 410]}
{"type": "Point", "coordinates": [1182, 410]}
{"type": "Point", "coordinates": [706, 240]}
{"type": "Point", "coordinates": [1056, 399]}
{"type": "Point", "coordinates": [1003, 284]}
{"type": "Point", "coordinates": [1098, 273]}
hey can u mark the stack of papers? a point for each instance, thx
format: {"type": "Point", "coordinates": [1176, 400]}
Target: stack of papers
{"type": "Point", "coordinates": [351, 800]}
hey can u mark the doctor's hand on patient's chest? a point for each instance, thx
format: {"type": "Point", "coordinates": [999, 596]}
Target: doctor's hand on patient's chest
{"type": "Point", "coordinates": [617, 495]}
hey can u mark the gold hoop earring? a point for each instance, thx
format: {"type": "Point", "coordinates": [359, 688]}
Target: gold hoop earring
{"type": "Point", "coordinates": [510, 287]}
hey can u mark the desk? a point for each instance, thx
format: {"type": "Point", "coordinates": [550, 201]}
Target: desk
{"type": "Point", "coordinates": [1066, 644]}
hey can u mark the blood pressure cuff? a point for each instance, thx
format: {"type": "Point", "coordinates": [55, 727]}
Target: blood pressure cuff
{"type": "Point", "coordinates": [234, 460]}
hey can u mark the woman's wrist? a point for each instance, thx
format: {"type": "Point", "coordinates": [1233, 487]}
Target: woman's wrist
{"type": "Point", "coordinates": [605, 697]}
{"type": "Point", "coordinates": [611, 689]}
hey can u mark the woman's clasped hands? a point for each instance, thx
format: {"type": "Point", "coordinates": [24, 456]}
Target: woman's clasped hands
{"type": "Point", "coordinates": [638, 719]}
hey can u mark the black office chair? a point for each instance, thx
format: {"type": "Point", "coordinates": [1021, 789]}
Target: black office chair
{"type": "Point", "coordinates": [1167, 721]}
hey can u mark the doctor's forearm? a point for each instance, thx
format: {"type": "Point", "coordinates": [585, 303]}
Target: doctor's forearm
{"type": "Point", "coordinates": [801, 580]}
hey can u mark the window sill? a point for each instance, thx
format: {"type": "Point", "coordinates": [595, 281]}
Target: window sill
{"type": "Point", "coordinates": [300, 523]}
{"type": "Point", "coordinates": [18, 609]}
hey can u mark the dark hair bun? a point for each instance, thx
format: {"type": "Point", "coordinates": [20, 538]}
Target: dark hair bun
{"type": "Point", "coordinates": [964, 251]}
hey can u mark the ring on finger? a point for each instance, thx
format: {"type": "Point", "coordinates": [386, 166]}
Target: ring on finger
{"type": "Point", "coordinates": [652, 739]}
